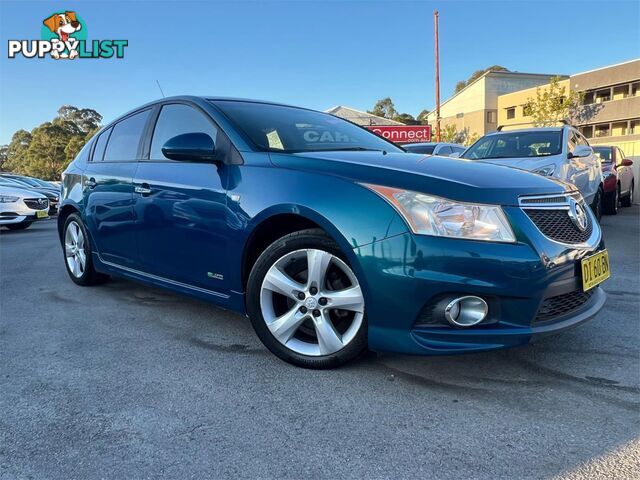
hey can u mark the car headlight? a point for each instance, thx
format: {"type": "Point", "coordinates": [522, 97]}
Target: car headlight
{"type": "Point", "coordinates": [547, 170]}
{"type": "Point", "coordinates": [430, 215]}
{"type": "Point", "coordinates": [7, 199]}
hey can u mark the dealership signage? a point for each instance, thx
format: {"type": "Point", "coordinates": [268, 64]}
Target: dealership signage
{"type": "Point", "coordinates": [403, 133]}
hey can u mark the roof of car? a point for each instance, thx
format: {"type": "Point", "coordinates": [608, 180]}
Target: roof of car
{"type": "Point", "coordinates": [532, 129]}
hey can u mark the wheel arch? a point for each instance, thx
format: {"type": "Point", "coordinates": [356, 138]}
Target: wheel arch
{"type": "Point", "coordinates": [277, 222]}
{"type": "Point", "coordinates": [63, 214]}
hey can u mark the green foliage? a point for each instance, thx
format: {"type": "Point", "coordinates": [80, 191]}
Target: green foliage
{"type": "Point", "coordinates": [450, 134]}
{"type": "Point", "coordinates": [477, 74]}
{"type": "Point", "coordinates": [385, 108]}
{"type": "Point", "coordinates": [47, 150]}
{"type": "Point", "coordinates": [422, 117]}
{"type": "Point", "coordinates": [552, 104]}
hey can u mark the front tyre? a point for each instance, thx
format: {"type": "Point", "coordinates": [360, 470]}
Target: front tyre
{"type": "Point", "coordinates": [610, 201]}
{"type": "Point", "coordinates": [596, 206]}
{"type": "Point", "coordinates": [305, 302]}
{"type": "Point", "coordinates": [77, 253]}
{"type": "Point", "coordinates": [628, 200]}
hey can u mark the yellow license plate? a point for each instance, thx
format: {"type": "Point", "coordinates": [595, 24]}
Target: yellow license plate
{"type": "Point", "coordinates": [42, 214]}
{"type": "Point", "coordinates": [595, 270]}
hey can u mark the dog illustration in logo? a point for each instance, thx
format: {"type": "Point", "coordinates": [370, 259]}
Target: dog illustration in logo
{"type": "Point", "coordinates": [63, 25]}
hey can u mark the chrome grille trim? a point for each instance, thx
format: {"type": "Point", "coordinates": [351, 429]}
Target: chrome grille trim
{"type": "Point", "coordinates": [561, 231]}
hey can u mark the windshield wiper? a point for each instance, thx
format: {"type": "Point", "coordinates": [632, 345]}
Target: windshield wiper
{"type": "Point", "coordinates": [347, 149]}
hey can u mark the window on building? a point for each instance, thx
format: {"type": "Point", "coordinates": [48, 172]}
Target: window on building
{"type": "Point", "coordinates": [618, 128]}
{"type": "Point", "coordinates": [587, 131]}
{"type": "Point", "coordinates": [634, 127]}
{"type": "Point", "coordinates": [527, 111]}
{"type": "Point", "coordinates": [635, 89]}
{"type": "Point", "coordinates": [621, 91]}
{"type": "Point", "coordinates": [603, 95]}
{"type": "Point", "coordinates": [589, 98]}
{"type": "Point", "coordinates": [492, 116]}
{"type": "Point", "coordinates": [602, 130]}
{"type": "Point", "coordinates": [511, 113]}
{"type": "Point", "coordinates": [459, 115]}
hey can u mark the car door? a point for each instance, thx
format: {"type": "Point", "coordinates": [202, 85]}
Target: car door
{"type": "Point", "coordinates": [108, 189]}
{"type": "Point", "coordinates": [180, 206]}
{"type": "Point", "coordinates": [625, 174]}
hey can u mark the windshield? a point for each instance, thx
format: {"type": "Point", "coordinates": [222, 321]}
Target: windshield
{"type": "Point", "coordinates": [516, 145]}
{"type": "Point", "coordinates": [14, 182]}
{"type": "Point", "coordinates": [604, 153]}
{"type": "Point", "coordinates": [277, 128]}
{"type": "Point", "coordinates": [25, 181]}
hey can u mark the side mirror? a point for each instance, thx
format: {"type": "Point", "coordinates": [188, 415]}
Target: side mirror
{"type": "Point", "coordinates": [455, 155]}
{"type": "Point", "coordinates": [581, 151]}
{"type": "Point", "coordinates": [190, 147]}
{"type": "Point", "coordinates": [626, 162]}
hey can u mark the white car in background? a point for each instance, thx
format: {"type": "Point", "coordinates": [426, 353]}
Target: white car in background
{"type": "Point", "coordinates": [558, 152]}
{"type": "Point", "coordinates": [20, 208]}
{"type": "Point", "coordinates": [442, 149]}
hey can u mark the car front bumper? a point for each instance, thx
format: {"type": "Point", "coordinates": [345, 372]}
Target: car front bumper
{"type": "Point", "coordinates": [405, 275]}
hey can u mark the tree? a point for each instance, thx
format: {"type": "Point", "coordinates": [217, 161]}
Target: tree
{"type": "Point", "coordinates": [477, 74]}
{"type": "Point", "coordinates": [552, 104]}
{"type": "Point", "coordinates": [422, 117]}
{"type": "Point", "coordinates": [3, 154]}
{"type": "Point", "coordinates": [47, 150]}
{"type": "Point", "coordinates": [406, 118]}
{"type": "Point", "coordinates": [384, 108]}
{"type": "Point", "coordinates": [449, 133]}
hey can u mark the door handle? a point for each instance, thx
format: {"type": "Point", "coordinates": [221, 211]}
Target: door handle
{"type": "Point", "coordinates": [91, 183]}
{"type": "Point", "coordinates": [143, 189]}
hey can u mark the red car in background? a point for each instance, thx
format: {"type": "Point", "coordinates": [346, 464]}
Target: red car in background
{"type": "Point", "coordinates": [618, 178]}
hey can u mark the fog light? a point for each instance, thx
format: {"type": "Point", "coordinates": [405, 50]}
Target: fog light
{"type": "Point", "coordinates": [466, 311]}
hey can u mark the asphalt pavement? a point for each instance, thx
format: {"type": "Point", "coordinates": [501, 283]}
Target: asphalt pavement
{"type": "Point", "coordinates": [127, 381]}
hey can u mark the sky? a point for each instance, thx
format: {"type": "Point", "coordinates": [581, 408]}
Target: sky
{"type": "Point", "coordinates": [316, 54]}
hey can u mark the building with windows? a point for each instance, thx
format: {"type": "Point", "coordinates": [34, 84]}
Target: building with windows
{"type": "Point", "coordinates": [610, 111]}
{"type": "Point", "coordinates": [474, 109]}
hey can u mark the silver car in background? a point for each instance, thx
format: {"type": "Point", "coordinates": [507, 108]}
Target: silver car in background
{"type": "Point", "coordinates": [558, 152]}
{"type": "Point", "coordinates": [442, 149]}
{"type": "Point", "coordinates": [19, 208]}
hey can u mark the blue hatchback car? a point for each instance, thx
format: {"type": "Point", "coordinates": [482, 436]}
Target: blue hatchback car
{"type": "Point", "coordinates": [331, 239]}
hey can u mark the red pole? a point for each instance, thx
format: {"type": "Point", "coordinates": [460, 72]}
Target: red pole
{"type": "Point", "coordinates": [435, 24]}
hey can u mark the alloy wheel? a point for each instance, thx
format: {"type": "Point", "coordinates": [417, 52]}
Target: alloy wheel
{"type": "Point", "coordinates": [74, 249]}
{"type": "Point", "coordinates": [311, 302]}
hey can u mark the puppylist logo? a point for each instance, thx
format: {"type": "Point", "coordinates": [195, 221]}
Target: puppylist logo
{"type": "Point", "coordinates": [64, 36]}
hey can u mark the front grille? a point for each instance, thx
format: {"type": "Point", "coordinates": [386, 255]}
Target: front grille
{"type": "Point", "coordinates": [557, 225]}
{"type": "Point", "coordinates": [37, 203]}
{"type": "Point", "coordinates": [560, 305]}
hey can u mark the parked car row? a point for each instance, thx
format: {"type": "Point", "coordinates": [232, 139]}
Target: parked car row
{"type": "Point", "coordinates": [602, 174]}
{"type": "Point", "coordinates": [24, 200]}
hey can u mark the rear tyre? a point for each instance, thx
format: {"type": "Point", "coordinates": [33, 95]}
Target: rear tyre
{"type": "Point", "coordinates": [18, 226]}
{"type": "Point", "coordinates": [610, 201]}
{"type": "Point", "coordinates": [77, 253]}
{"type": "Point", "coordinates": [596, 206]}
{"type": "Point", "coordinates": [305, 302]}
{"type": "Point", "coordinates": [628, 200]}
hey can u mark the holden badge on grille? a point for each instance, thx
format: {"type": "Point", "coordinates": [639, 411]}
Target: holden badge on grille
{"type": "Point", "coordinates": [577, 214]}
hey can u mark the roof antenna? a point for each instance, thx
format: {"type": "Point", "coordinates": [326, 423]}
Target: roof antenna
{"type": "Point", "coordinates": [160, 88]}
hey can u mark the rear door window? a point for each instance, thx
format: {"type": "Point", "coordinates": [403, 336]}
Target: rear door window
{"type": "Point", "coordinates": [125, 139]}
{"type": "Point", "coordinates": [177, 119]}
{"type": "Point", "coordinates": [101, 143]}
